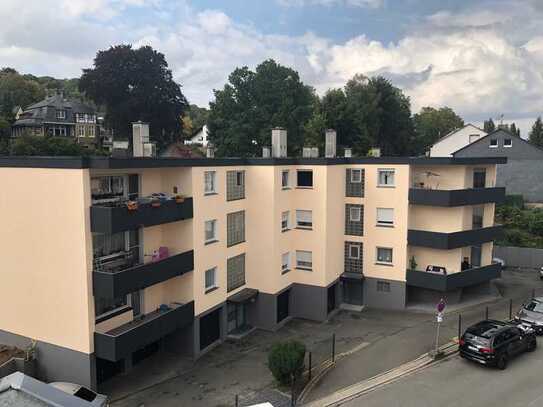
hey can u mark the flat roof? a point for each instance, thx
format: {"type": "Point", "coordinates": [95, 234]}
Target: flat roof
{"type": "Point", "coordinates": [144, 162]}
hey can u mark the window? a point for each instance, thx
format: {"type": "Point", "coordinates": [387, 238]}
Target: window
{"type": "Point", "coordinates": [385, 216]}
{"type": "Point", "coordinates": [285, 221]}
{"type": "Point", "coordinates": [304, 219]}
{"type": "Point", "coordinates": [211, 231]}
{"type": "Point", "coordinates": [354, 214]}
{"type": "Point", "coordinates": [209, 182]}
{"type": "Point", "coordinates": [477, 217]}
{"type": "Point", "coordinates": [61, 114]}
{"type": "Point", "coordinates": [81, 131]}
{"type": "Point", "coordinates": [493, 143]}
{"type": "Point", "coordinates": [507, 142]}
{"type": "Point", "coordinates": [285, 262]}
{"type": "Point", "coordinates": [354, 251]}
{"type": "Point", "coordinates": [383, 286]}
{"type": "Point", "coordinates": [235, 228]}
{"type": "Point", "coordinates": [284, 179]}
{"type": "Point", "coordinates": [384, 255]}
{"type": "Point", "coordinates": [211, 279]}
{"type": "Point", "coordinates": [305, 179]}
{"type": "Point", "coordinates": [235, 274]}
{"type": "Point", "coordinates": [473, 138]}
{"type": "Point", "coordinates": [91, 131]}
{"type": "Point", "coordinates": [235, 185]}
{"type": "Point", "coordinates": [304, 260]}
{"type": "Point", "coordinates": [479, 178]}
{"type": "Point", "coordinates": [385, 178]}
{"type": "Point", "coordinates": [104, 305]}
{"type": "Point", "coordinates": [356, 176]}
{"type": "Point", "coordinates": [107, 188]}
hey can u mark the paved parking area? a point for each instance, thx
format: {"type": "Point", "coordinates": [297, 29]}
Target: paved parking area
{"type": "Point", "coordinates": [375, 340]}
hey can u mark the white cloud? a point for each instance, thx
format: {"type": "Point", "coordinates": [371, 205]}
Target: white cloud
{"type": "Point", "coordinates": [328, 3]}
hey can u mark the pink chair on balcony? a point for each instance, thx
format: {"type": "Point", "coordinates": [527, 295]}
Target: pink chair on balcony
{"type": "Point", "coordinates": [163, 253]}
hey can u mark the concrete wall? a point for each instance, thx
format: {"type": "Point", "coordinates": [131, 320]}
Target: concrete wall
{"type": "Point", "coordinates": [519, 256]}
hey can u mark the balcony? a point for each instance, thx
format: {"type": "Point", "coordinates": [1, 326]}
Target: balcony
{"type": "Point", "coordinates": [118, 217]}
{"type": "Point", "coordinates": [454, 240]}
{"type": "Point", "coordinates": [447, 282]}
{"type": "Point", "coordinates": [125, 339]}
{"type": "Point", "coordinates": [456, 197]}
{"type": "Point", "coordinates": [108, 284]}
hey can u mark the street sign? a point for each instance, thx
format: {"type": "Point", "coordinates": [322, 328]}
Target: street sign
{"type": "Point", "coordinates": [439, 317]}
{"type": "Point", "coordinates": [441, 306]}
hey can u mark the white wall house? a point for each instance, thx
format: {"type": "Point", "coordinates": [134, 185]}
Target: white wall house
{"type": "Point", "coordinates": [200, 137]}
{"type": "Point", "coordinates": [455, 140]}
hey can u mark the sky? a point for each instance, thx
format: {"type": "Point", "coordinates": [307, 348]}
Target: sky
{"type": "Point", "coordinates": [482, 58]}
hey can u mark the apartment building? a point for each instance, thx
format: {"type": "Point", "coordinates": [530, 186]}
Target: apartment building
{"type": "Point", "coordinates": [110, 260]}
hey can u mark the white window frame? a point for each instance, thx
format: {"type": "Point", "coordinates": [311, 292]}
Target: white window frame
{"type": "Point", "coordinates": [61, 114]}
{"type": "Point", "coordinates": [81, 131]}
{"type": "Point", "coordinates": [384, 261]}
{"type": "Point", "coordinates": [287, 185]}
{"type": "Point", "coordinates": [356, 171]}
{"type": "Point", "coordinates": [508, 145]}
{"type": "Point", "coordinates": [354, 246]}
{"type": "Point", "coordinates": [214, 228]}
{"type": "Point", "coordinates": [285, 266]}
{"type": "Point", "coordinates": [490, 145]}
{"type": "Point", "coordinates": [386, 185]}
{"type": "Point", "coordinates": [214, 285]}
{"type": "Point", "coordinates": [381, 222]}
{"type": "Point", "coordinates": [307, 265]}
{"type": "Point", "coordinates": [298, 219]}
{"type": "Point", "coordinates": [355, 218]}
{"type": "Point", "coordinates": [284, 227]}
{"type": "Point", "coordinates": [213, 183]}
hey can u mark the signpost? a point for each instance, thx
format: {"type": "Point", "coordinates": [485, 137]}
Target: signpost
{"type": "Point", "coordinates": [439, 318]}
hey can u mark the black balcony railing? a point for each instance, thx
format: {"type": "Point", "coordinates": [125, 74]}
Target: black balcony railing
{"type": "Point", "coordinates": [108, 284]}
{"type": "Point", "coordinates": [442, 282]}
{"type": "Point", "coordinates": [118, 218]}
{"type": "Point", "coordinates": [457, 197]}
{"type": "Point", "coordinates": [127, 338]}
{"type": "Point", "coordinates": [453, 240]}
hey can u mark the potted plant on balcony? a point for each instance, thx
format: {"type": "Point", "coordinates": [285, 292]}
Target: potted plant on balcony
{"type": "Point", "coordinates": [413, 263]}
{"type": "Point", "coordinates": [179, 198]}
{"type": "Point", "coordinates": [132, 205]}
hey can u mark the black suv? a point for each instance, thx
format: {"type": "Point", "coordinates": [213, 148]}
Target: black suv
{"type": "Point", "coordinates": [493, 342]}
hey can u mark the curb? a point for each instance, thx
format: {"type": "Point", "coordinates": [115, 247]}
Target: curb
{"type": "Point", "coordinates": [358, 389]}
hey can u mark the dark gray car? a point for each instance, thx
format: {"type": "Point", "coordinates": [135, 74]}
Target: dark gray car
{"type": "Point", "coordinates": [531, 313]}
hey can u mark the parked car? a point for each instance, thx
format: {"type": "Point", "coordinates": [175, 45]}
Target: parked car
{"type": "Point", "coordinates": [531, 313]}
{"type": "Point", "coordinates": [493, 343]}
{"type": "Point", "coordinates": [94, 399]}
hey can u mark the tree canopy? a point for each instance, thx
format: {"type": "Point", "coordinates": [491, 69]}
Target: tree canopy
{"type": "Point", "coordinates": [136, 84]}
{"type": "Point", "coordinates": [252, 103]}
{"type": "Point", "coordinates": [431, 124]}
{"type": "Point", "coordinates": [536, 134]}
{"type": "Point", "coordinates": [489, 126]}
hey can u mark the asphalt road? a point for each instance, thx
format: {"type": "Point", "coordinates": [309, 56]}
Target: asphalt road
{"type": "Point", "coordinates": [457, 382]}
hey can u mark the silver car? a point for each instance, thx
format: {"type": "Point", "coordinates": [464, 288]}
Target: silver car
{"type": "Point", "coordinates": [531, 313]}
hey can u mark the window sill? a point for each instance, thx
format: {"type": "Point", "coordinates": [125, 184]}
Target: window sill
{"type": "Point", "coordinates": [235, 244]}
{"type": "Point", "coordinates": [235, 199]}
{"type": "Point", "coordinates": [112, 314]}
{"type": "Point", "coordinates": [352, 234]}
{"type": "Point", "coordinates": [210, 193]}
{"type": "Point", "coordinates": [378, 263]}
{"type": "Point", "coordinates": [354, 196]}
{"type": "Point", "coordinates": [210, 290]}
{"type": "Point", "coordinates": [386, 186]}
{"type": "Point", "coordinates": [304, 228]}
{"type": "Point", "coordinates": [383, 225]}
{"type": "Point", "coordinates": [285, 230]}
{"type": "Point", "coordinates": [211, 242]}
{"type": "Point", "coordinates": [299, 187]}
{"type": "Point", "coordinates": [285, 188]}
{"type": "Point", "coordinates": [304, 269]}
{"type": "Point", "coordinates": [285, 271]}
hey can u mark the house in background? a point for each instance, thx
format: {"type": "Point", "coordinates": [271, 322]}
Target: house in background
{"type": "Point", "coordinates": [522, 172]}
{"type": "Point", "coordinates": [60, 117]}
{"type": "Point", "coordinates": [200, 136]}
{"type": "Point", "coordinates": [455, 140]}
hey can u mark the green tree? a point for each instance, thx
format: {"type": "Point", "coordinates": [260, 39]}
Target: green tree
{"type": "Point", "coordinates": [536, 134]}
{"type": "Point", "coordinates": [28, 145]}
{"type": "Point", "coordinates": [314, 130]}
{"type": "Point", "coordinates": [286, 361]}
{"type": "Point", "coordinates": [16, 90]}
{"type": "Point", "coordinates": [5, 131]}
{"type": "Point", "coordinates": [514, 130]}
{"type": "Point", "coordinates": [489, 126]}
{"type": "Point", "coordinates": [432, 124]}
{"type": "Point", "coordinates": [340, 116]}
{"type": "Point", "coordinates": [252, 103]}
{"type": "Point", "coordinates": [198, 116]}
{"type": "Point", "coordinates": [136, 84]}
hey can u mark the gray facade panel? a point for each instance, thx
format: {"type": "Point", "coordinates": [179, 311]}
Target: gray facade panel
{"type": "Point", "coordinates": [235, 228]}
{"type": "Point", "coordinates": [309, 302]}
{"type": "Point", "coordinates": [235, 185]}
{"type": "Point", "coordinates": [520, 149]}
{"type": "Point", "coordinates": [394, 299]}
{"type": "Point", "coordinates": [353, 265]}
{"type": "Point", "coordinates": [235, 272]}
{"type": "Point", "coordinates": [56, 363]}
{"type": "Point", "coordinates": [197, 352]}
{"type": "Point", "coordinates": [522, 177]}
{"type": "Point", "coordinates": [262, 314]}
{"type": "Point", "coordinates": [354, 228]}
{"type": "Point", "coordinates": [354, 189]}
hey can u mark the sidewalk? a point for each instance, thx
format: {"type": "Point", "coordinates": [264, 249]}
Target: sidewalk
{"type": "Point", "coordinates": [376, 340]}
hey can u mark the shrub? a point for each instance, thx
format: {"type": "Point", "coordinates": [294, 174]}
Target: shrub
{"type": "Point", "coordinates": [286, 361]}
